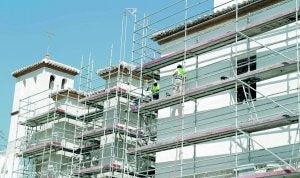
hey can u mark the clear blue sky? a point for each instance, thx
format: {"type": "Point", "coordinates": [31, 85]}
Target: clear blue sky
{"type": "Point", "coordinates": [79, 27]}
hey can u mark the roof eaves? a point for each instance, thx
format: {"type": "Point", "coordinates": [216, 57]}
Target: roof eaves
{"type": "Point", "coordinates": [45, 63]}
{"type": "Point", "coordinates": [172, 30]}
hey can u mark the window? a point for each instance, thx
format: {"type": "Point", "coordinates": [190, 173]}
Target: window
{"type": "Point", "coordinates": [51, 82]}
{"type": "Point", "coordinates": [24, 83]}
{"type": "Point", "coordinates": [244, 92]}
{"type": "Point", "coordinates": [63, 83]}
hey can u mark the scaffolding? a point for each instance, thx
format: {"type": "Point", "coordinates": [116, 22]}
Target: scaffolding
{"type": "Point", "coordinates": [48, 120]}
{"type": "Point", "coordinates": [112, 129]}
{"type": "Point", "coordinates": [238, 112]}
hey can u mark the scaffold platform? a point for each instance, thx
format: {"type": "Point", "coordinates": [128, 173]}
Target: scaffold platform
{"type": "Point", "coordinates": [40, 149]}
{"type": "Point", "coordinates": [98, 169]}
{"type": "Point", "coordinates": [276, 173]}
{"type": "Point", "coordinates": [85, 149]}
{"type": "Point", "coordinates": [257, 26]}
{"type": "Point", "coordinates": [46, 117]}
{"type": "Point", "coordinates": [218, 133]}
{"type": "Point", "coordinates": [218, 86]}
{"type": "Point", "coordinates": [101, 169]}
{"type": "Point", "coordinates": [88, 117]}
{"type": "Point", "coordinates": [103, 95]}
{"type": "Point", "coordinates": [118, 128]}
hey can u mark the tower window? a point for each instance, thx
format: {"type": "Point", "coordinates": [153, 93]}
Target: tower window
{"type": "Point", "coordinates": [63, 83]}
{"type": "Point", "coordinates": [51, 82]}
{"type": "Point", "coordinates": [24, 83]}
{"type": "Point", "coordinates": [244, 92]}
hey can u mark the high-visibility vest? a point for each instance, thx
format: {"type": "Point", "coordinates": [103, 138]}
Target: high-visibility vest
{"type": "Point", "coordinates": [155, 89]}
{"type": "Point", "coordinates": [180, 73]}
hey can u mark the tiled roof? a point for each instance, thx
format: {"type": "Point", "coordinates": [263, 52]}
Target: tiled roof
{"type": "Point", "coordinates": [46, 62]}
{"type": "Point", "coordinates": [125, 69]}
{"type": "Point", "coordinates": [112, 71]}
{"type": "Point", "coordinates": [70, 92]}
{"type": "Point", "coordinates": [172, 30]}
{"type": "Point", "coordinates": [122, 65]}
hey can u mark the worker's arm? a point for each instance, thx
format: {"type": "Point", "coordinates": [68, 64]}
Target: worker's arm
{"type": "Point", "coordinates": [174, 73]}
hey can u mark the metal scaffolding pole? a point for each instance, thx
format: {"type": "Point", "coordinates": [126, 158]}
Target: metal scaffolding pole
{"type": "Point", "coordinates": [236, 87]}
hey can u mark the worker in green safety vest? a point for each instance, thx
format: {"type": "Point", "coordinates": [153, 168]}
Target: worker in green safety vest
{"type": "Point", "coordinates": [179, 79]}
{"type": "Point", "coordinates": [155, 91]}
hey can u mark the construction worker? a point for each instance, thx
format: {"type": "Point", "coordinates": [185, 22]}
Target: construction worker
{"type": "Point", "coordinates": [155, 91]}
{"type": "Point", "coordinates": [179, 78]}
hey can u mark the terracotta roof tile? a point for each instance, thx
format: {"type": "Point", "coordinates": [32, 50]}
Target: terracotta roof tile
{"type": "Point", "coordinates": [172, 30]}
{"type": "Point", "coordinates": [46, 62]}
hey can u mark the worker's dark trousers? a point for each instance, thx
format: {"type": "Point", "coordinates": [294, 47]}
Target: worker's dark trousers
{"type": "Point", "coordinates": [155, 96]}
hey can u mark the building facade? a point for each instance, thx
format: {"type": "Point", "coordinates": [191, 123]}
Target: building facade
{"type": "Point", "coordinates": [34, 130]}
{"type": "Point", "coordinates": [234, 112]}
{"type": "Point", "coordinates": [237, 114]}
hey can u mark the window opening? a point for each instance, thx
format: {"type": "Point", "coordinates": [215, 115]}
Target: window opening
{"type": "Point", "coordinates": [243, 66]}
{"type": "Point", "coordinates": [24, 83]}
{"type": "Point", "coordinates": [63, 83]}
{"type": "Point", "coordinates": [51, 82]}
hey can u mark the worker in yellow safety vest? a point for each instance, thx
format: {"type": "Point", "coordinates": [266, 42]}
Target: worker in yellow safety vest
{"type": "Point", "coordinates": [179, 79]}
{"type": "Point", "coordinates": [155, 91]}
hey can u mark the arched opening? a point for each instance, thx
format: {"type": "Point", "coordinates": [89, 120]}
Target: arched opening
{"type": "Point", "coordinates": [51, 82]}
{"type": "Point", "coordinates": [63, 83]}
{"type": "Point", "coordinates": [24, 83]}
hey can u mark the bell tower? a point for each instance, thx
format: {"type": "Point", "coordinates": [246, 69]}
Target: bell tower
{"type": "Point", "coordinates": [46, 74]}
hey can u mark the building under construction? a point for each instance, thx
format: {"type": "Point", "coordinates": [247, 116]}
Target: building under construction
{"type": "Point", "coordinates": [236, 113]}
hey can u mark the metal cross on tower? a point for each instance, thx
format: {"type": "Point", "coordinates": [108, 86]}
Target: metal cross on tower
{"type": "Point", "coordinates": [49, 35]}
